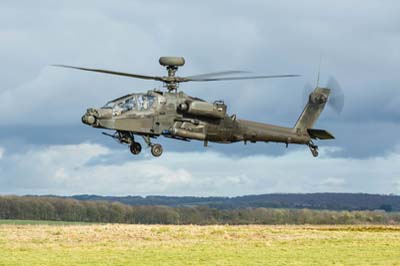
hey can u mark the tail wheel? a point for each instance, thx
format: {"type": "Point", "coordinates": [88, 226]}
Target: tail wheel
{"type": "Point", "coordinates": [314, 152]}
{"type": "Point", "coordinates": [135, 148]}
{"type": "Point", "coordinates": [313, 149]}
{"type": "Point", "coordinates": [156, 150]}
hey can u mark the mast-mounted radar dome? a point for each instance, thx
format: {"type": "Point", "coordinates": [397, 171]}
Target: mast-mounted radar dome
{"type": "Point", "coordinates": [172, 61]}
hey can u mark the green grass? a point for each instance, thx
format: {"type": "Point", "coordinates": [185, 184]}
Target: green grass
{"type": "Point", "coordinates": [115, 244]}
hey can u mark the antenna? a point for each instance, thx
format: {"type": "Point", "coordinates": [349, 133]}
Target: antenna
{"type": "Point", "coordinates": [319, 70]}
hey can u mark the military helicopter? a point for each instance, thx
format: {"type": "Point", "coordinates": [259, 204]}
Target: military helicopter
{"type": "Point", "coordinates": [176, 115]}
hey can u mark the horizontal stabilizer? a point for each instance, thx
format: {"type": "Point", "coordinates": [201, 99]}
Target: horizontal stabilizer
{"type": "Point", "coordinates": [319, 134]}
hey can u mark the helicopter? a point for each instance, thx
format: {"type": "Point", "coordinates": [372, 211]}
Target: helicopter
{"type": "Point", "coordinates": [179, 116]}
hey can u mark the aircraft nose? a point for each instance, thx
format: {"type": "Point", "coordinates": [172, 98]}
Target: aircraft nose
{"type": "Point", "coordinates": [90, 117]}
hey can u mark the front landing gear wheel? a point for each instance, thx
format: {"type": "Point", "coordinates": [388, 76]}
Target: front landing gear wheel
{"type": "Point", "coordinates": [156, 150]}
{"type": "Point", "coordinates": [135, 148]}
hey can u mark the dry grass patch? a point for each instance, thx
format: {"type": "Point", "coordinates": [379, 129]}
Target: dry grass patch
{"type": "Point", "coordinates": [116, 244]}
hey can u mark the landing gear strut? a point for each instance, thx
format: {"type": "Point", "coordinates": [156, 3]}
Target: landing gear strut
{"type": "Point", "coordinates": [313, 149]}
{"type": "Point", "coordinates": [126, 137]}
{"type": "Point", "coordinates": [156, 149]}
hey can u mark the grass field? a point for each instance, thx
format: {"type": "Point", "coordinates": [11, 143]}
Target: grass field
{"type": "Point", "coordinates": [115, 244]}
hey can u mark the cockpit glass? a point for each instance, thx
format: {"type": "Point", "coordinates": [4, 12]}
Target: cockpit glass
{"type": "Point", "coordinates": [145, 102]}
{"type": "Point", "coordinates": [133, 102]}
{"type": "Point", "coordinates": [112, 103]}
{"type": "Point", "coordinates": [109, 105]}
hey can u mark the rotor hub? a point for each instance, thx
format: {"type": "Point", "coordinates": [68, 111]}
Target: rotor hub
{"type": "Point", "coordinates": [172, 64]}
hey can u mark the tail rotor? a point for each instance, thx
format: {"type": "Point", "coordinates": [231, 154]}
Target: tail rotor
{"type": "Point", "coordinates": [336, 96]}
{"type": "Point", "coordinates": [336, 99]}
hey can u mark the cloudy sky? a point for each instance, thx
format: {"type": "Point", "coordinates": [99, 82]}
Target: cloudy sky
{"type": "Point", "coordinates": [45, 149]}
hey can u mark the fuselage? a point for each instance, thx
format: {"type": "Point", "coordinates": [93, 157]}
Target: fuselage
{"type": "Point", "coordinates": [179, 116]}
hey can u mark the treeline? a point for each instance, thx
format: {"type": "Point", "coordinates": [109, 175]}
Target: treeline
{"type": "Point", "coordinates": [318, 201]}
{"type": "Point", "coordinates": [61, 209]}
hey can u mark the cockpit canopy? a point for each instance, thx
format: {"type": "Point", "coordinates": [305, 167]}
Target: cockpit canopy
{"type": "Point", "coordinates": [131, 102]}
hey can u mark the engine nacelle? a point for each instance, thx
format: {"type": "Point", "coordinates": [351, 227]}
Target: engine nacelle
{"type": "Point", "coordinates": [216, 110]}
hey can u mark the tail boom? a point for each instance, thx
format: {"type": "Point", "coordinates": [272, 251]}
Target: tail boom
{"type": "Point", "coordinates": [254, 131]}
{"type": "Point", "coordinates": [302, 133]}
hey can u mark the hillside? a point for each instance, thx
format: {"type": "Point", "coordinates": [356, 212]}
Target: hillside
{"type": "Point", "coordinates": [328, 201]}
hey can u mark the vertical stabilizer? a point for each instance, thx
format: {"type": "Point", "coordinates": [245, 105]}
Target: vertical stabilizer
{"type": "Point", "coordinates": [316, 103]}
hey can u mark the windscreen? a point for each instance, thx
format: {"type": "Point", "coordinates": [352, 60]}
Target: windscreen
{"type": "Point", "coordinates": [132, 103]}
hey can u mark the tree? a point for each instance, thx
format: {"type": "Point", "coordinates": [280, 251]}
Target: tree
{"type": "Point", "coordinates": [386, 207]}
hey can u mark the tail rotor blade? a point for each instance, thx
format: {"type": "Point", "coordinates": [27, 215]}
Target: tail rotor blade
{"type": "Point", "coordinates": [336, 99]}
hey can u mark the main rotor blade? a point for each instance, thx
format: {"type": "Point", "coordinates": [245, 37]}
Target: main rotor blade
{"type": "Point", "coordinates": [113, 72]}
{"type": "Point", "coordinates": [213, 74]}
{"type": "Point", "coordinates": [239, 78]}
